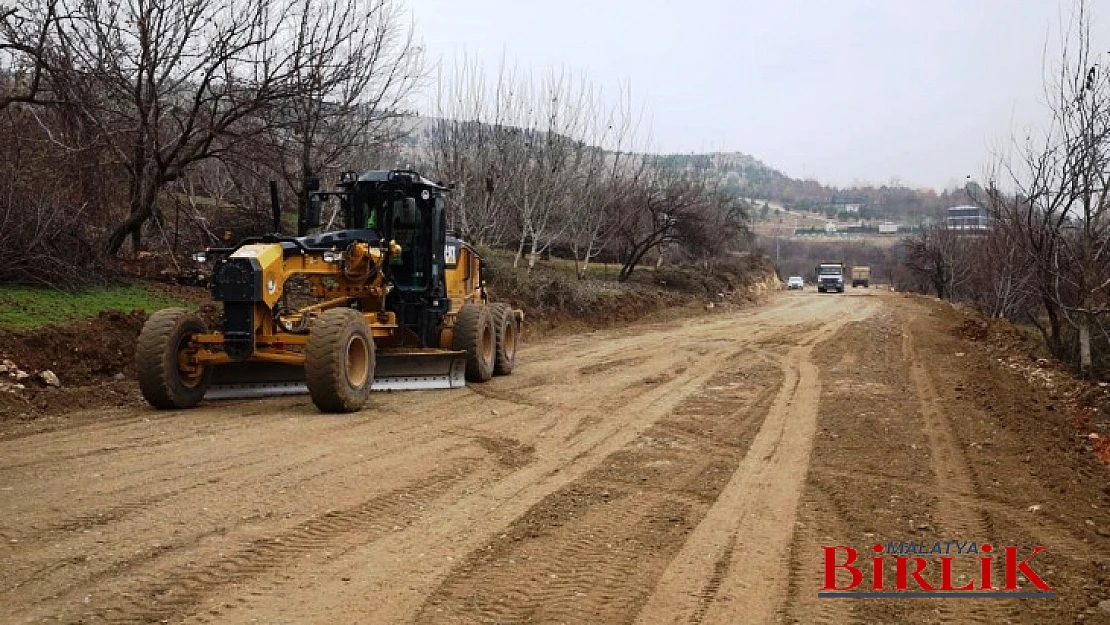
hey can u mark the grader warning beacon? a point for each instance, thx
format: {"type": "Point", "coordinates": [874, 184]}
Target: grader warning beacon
{"type": "Point", "coordinates": [396, 303]}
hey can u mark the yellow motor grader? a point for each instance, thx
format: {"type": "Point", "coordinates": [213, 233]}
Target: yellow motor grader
{"type": "Point", "coordinates": [395, 302]}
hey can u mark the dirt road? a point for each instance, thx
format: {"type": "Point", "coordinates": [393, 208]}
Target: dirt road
{"type": "Point", "coordinates": [661, 473]}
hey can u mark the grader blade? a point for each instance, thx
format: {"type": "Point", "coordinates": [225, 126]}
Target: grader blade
{"type": "Point", "coordinates": [247, 380]}
{"type": "Point", "coordinates": [395, 370]}
{"type": "Point", "coordinates": [412, 370]}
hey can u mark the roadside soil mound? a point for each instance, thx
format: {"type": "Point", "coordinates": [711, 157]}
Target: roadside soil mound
{"type": "Point", "coordinates": [81, 352]}
{"type": "Point", "coordinates": [1086, 403]}
{"type": "Point", "coordinates": [93, 361]}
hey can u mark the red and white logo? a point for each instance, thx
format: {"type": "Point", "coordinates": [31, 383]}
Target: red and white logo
{"type": "Point", "coordinates": [904, 570]}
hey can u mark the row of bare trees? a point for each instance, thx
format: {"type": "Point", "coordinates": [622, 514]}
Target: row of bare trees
{"type": "Point", "coordinates": [1046, 258]}
{"type": "Point", "coordinates": [549, 164]}
{"type": "Point", "coordinates": [157, 93]}
{"type": "Point", "coordinates": [190, 107]}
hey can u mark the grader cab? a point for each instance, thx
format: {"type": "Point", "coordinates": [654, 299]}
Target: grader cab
{"type": "Point", "coordinates": [391, 301]}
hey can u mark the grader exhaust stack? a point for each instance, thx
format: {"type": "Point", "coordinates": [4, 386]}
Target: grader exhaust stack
{"type": "Point", "coordinates": [395, 303]}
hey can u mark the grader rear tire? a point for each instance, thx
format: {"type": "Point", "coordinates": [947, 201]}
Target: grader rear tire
{"type": "Point", "coordinates": [339, 361]}
{"type": "Point", "coordinates": [474, 334]}
{"type": "Point", "coordinates": [507, 333]}
{"type": "Point", "coordinates": [166, 378]}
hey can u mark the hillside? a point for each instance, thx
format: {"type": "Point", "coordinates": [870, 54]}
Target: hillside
{"type": "Point", "coordinates": [748, 177]}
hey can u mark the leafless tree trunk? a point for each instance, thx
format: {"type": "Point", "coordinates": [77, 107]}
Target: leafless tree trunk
{"type": "Point", "coordinates": [1062, 181]}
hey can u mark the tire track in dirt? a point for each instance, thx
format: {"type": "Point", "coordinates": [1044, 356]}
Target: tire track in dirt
{"type": "Point", "coordinates": [955, 488]}
{"type": "Point", "coordinates": [477, 517]}
{"type": "Point", "coordinates": [171, 549]}
{"type": "Point", "coordinates": [175, 592]}
{"type": "Point", "coordinates": [641, 397]}
{"type": "Point", "coordinates": [423, 555]}
{"type": "Point", "coordinates": [880, 475]}
{"type": "Point", "coordinates": [590, 551]}
{"type": "Point", "coordinates": [1056, 534]}
{"type": "Point", "coordinates": [863, 435]}
{"type": "Point", "coordinates": [285, 464]}
{"type": "Point", "coordinates": [824, 520]}
{"type": "Point", "coordinates": [733, 566]}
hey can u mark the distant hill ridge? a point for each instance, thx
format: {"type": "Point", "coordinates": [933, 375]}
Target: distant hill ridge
{"type": "Point", "coordinates": [747, 176]}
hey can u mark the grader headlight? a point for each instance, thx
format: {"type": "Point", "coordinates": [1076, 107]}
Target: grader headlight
{"type": "Point", "coordinates": [333, 256]}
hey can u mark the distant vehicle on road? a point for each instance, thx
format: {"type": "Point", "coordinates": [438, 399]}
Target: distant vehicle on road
{"type": "Point", "coordinates": [795, 283]}
{"type": "Point", "coordinates": [830, 277]}
{"type": "Point", "coordinates": [861, 276]}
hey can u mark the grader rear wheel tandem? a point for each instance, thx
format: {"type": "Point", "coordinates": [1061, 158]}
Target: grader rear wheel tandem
{"type": "Point", "coordinates": [507, 331]}
{"type": "Point", "coordinates": [474, 334]}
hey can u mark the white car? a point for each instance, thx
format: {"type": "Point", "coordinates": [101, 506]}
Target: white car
{"type": "Point", "coordinates": [795, 282]}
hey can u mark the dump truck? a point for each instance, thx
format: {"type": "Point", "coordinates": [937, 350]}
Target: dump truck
{"type": "Point", "coordinates": [830, 277]}
{"type": "Point", "coordinates": [390, 301]}
{"type": "Point", "coordinates": [861, 276]}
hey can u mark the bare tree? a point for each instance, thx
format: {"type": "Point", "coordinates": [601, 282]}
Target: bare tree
{"type": "Point", "coordinates": [1060, 208]}
{"type": "Point", "coordinates": [166, 85]}
{"type": "Point", "coordinates": [943, 258]}
{"type": "Point", "coordinates": [655, 213]}
{"type": "Point", "coordinates": [610, 168]}
{"type": "Point", "coordinates": [357, 64]}
{"type": "Point", "coordinates": [469, 145]}
{"type": "Point", "coordinates": [22, 44]}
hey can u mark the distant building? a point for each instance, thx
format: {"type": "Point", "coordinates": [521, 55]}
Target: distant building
{"type": "Point", "coordinates": [850, 205]}
{"type": "Point", "coordinates": [888, 228]}
{"type": "Point", "coordinates": [967, 219]}
{"type": "Point", "coordinates": [830, 226]}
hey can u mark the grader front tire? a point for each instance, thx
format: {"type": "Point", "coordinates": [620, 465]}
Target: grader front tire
{"type": "Point", "coordinates": [474, 334]}
{"type": "Point", "coordinates": [339, 361]}
{"type": "Point", "coordinates": [507, 333]}
{"type": "Point", "coordinates": [167, 379]}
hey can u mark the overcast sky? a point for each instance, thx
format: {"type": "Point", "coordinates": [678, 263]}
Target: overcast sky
{"type": "Point", "coordinates": [838, 90]}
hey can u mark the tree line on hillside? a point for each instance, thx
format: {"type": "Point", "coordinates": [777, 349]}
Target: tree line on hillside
{"type": "Point", "coordinates": [747, 177]}
{"type": "Point", "coordinates": [547, 165]}
{"type": "Point", "coordinates": [160, 124]}
{"type": "Point", "coordinates": [1045, 258]}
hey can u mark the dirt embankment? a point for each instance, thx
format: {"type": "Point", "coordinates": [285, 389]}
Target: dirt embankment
{"type": "Point", "coordinates": [1086, 403]}
{"type": "Point", "coordinates": [554, 301]}
{"type": "Point", "coordinates": [93, 360]}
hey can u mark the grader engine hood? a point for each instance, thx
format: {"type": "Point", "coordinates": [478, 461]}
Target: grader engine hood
{"type": "Point", "coordinates": [250, 275]}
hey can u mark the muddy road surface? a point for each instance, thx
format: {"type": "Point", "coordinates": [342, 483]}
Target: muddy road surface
{"type": "Point", "coordinates": [683, 472]}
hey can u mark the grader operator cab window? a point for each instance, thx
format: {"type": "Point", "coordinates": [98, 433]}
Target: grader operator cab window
{"type": "Point", "coordinates": [411, 233]}
{"type": "Point", "coordinates": [416, 222]}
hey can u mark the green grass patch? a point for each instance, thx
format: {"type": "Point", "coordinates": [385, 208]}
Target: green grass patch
{"type": "Point", "coordinates": [23, 308]}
